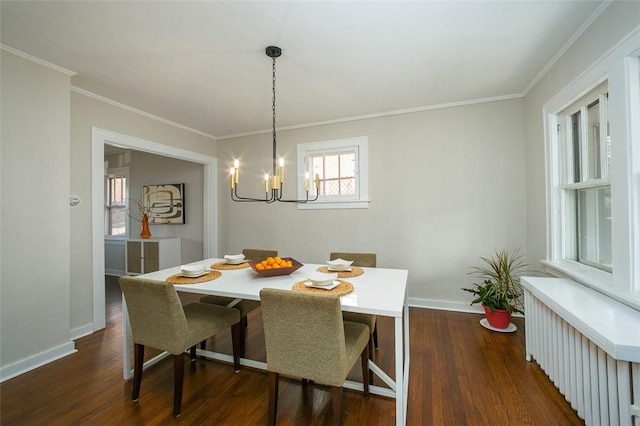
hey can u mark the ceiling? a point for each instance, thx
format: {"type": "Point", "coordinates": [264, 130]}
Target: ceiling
{"type": "Point", "coordinates": [201, 64]}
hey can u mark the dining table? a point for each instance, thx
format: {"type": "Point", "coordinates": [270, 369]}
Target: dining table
{"type": "Point", "coordinates": [377, 291]}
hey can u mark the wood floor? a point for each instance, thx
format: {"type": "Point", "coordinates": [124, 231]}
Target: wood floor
{"type": "Point", "coordinates": [460, 374]}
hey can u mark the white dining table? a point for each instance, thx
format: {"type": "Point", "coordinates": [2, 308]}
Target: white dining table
{"type": "Point", "coordinates": [378, 291]}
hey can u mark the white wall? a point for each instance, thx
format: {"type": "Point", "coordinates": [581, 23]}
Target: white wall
{"type": "Point", "coordinates": [149, 169]}
{"type": "Point", "coordinates": [35, 215]}
{"type": "Point", "coordinates": [446, 187]}
{"type": "Point", "coordinates": [85, 113]}
{"type": "Point", "coordinates": [612, 25]}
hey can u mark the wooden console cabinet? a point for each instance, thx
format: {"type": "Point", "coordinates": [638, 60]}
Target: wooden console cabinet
{"type": "Point", "coordinates": [144, 256]}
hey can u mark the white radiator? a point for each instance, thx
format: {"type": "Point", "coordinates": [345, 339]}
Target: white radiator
{"type": "Point", "coordinates": [600, 387]}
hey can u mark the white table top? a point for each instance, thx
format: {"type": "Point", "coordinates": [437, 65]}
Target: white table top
{"type": "Point", "coordinates": [378, 291]}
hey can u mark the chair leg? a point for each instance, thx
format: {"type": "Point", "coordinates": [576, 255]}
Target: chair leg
{"type": "Point", "coordinates": [138, 361]}
{"type": "Point", "coordinates": [243, 334]}
{"type": "Point", "coordinates": [192, 353]}
{"type": "Point", "coordinates": [235, 342]}
{"type": "Point", "coordinates": [370, 351]}
{"type": "Point", "coordinates": [364, 359]}
{"type": "Point", "coordinates": [203, 345]}
{"type": "Point", "coordinates": [178, 378]}
{"type": "Point", "coordinates": [274, 378]}
{"type": "Point", "coordinates": [336, 392]}
{"type": "Point", "coordinates": [375, 335]}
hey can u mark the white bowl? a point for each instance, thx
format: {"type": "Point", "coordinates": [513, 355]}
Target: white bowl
{"type": "Point", "coordinates": [320, 278]}
{"type": "Point", "coordinates": [234, 258]}
{"type": "Point", "coordinates": [192, 270]}
{"type": "Point", "coordinates": [339, 263]}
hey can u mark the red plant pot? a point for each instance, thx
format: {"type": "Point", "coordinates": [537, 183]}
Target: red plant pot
{"type": "Point", "coordinates": [498, 318]}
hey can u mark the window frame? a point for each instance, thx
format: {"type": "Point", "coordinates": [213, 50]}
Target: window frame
{"type": "Point", "coordinates": [110, 173]}
{"type": "Point", "coordinates": [357, 144]}
{"type": "Point", "coordinates": [575, 168]}
{"type": "Point", "coordinates": [621, 68]}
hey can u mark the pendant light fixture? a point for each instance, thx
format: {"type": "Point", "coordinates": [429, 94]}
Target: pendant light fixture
{"type": "Point", "coordinates": [273, 184]}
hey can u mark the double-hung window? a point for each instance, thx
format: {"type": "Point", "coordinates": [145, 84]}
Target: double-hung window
{"type": "Point", "coordinates": [116, 191]}
{"type": "Point", "coordinates": [341, 168]}
{"type": "Point", "coordinates": [583, 134]}
{"type": "Point", "coordinates": [592, 136]}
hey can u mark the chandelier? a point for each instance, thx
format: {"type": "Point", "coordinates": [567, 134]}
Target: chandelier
{"type": "Point", "coordinates": [272, 183]}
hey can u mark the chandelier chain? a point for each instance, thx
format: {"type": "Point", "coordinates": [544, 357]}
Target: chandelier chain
{"type": "Point", "coordinates": [273, 108]}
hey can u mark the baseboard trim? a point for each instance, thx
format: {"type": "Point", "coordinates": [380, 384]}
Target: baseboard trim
{"type": "Point", "coordinates": [444, 306]}
{"type": "Point", "coordinates": [79, 332]}
{"type": "Point", "coordinates": [31, 363]}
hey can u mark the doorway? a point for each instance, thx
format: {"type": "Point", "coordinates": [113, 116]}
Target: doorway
{"type": "Point", "coordinates": [100, 138]}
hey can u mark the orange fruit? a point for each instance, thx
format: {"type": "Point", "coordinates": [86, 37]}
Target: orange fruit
{"type": "Point", "coordinates": [259, 266]}
{"type": "Point", "coordinates": [270, 260]}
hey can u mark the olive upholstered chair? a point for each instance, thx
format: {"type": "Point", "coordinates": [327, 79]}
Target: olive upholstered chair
{"type": "Point", "coordinates": [244, 306]}
{"type": "Point", "coordinates": [306, 337]}
{"type": "Point", "coordinates": [159, 320]}
{"type": "Point", "coordinates": [258, 254]}
{"type": "Point", "coordinates": [364, 260]}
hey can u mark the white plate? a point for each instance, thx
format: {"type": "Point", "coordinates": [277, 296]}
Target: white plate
{"type": "Point", "coordinates": [510, 328]}
{"type": "Point", "coordinates": [339, 269]}
{"type": "Point", "coordinates": [322, 279]}
{"type": "Point", "coordinates": [193, 274]}
{"type": "Point", "coordinates": [339, 263]}
{"type": "Point", "coordinates": [324, 287]}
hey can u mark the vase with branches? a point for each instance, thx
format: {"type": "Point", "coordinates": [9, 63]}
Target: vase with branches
{"type": "Point", "coordinates": [139, 212]}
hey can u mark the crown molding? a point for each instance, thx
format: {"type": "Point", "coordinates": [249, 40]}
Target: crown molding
{"type": "Point", "coordinates": [36, 60]}
{"type": "Point", "coordinates": [139, 112]}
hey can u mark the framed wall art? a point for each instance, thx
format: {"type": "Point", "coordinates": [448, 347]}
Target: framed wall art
{"type": "Point", "coordinates": [164, 203]}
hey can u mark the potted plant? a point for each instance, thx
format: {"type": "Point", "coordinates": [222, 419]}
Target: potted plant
{"type": "Point", "coordinates": [500, 292]}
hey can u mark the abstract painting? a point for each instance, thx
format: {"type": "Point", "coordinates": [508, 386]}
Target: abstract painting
{"type": "Point", "coordinates": [164, 203]}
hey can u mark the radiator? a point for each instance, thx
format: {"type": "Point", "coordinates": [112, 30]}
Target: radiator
{"type": "Point", "coordinates": [598, 387]}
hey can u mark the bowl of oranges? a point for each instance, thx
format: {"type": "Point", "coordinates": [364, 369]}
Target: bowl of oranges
{"type": "Point", "coordinates": [272, 266]}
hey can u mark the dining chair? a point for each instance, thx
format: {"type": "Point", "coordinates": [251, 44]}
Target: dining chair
{"type": "Point", "coordinates": [364, 260]}
{"type": "Point", "coordinates": [258, 254]}
{"type": "Point", "coordinates": [306, 337]}
{"type": "Point", "coordinates": [159, 320]}
{"type": "Point", "coordinates": [244, 306]}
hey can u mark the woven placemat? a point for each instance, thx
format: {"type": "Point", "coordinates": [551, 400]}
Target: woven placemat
{"type": "Point", "coordinates": [342, 289]}
{"type": "Point", "coordinates": [223, 266]}
{"type": "Point", "coordinates": [354, 272]}
{"type": "Point", "coordinates": [179, 279]}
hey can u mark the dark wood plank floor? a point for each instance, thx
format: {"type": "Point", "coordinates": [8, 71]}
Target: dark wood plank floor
{"type": "Point", "coordinates": [461, 374]}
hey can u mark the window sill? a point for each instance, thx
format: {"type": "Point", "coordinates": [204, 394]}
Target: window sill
{"type": "Point", "coordinates": [590, 277]}
{"type": "Point", "coordinates": [320, 205]}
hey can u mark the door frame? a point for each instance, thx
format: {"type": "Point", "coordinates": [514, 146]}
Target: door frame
{"type": "Point", "coordinates": [100, 137]}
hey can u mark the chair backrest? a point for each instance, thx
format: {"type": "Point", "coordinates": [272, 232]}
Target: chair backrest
{"type": "Point", "coordinates": [258, 254]}
{"type": "Point", "coordinates": [359, 259]}
{"type": "Point", "coordinates": [304, 335]}
{"type": "Point", "coordinates": [155, 313]}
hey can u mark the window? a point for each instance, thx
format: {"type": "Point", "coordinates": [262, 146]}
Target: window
{"type": "Point", "coordinates": [583, 135]}
{"type": "Point", "coordinates": [341, 167]}
{"type": "Point", "coordinates": [592, 137]}
{"type": "Point", "coordinates": [116, 192]}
